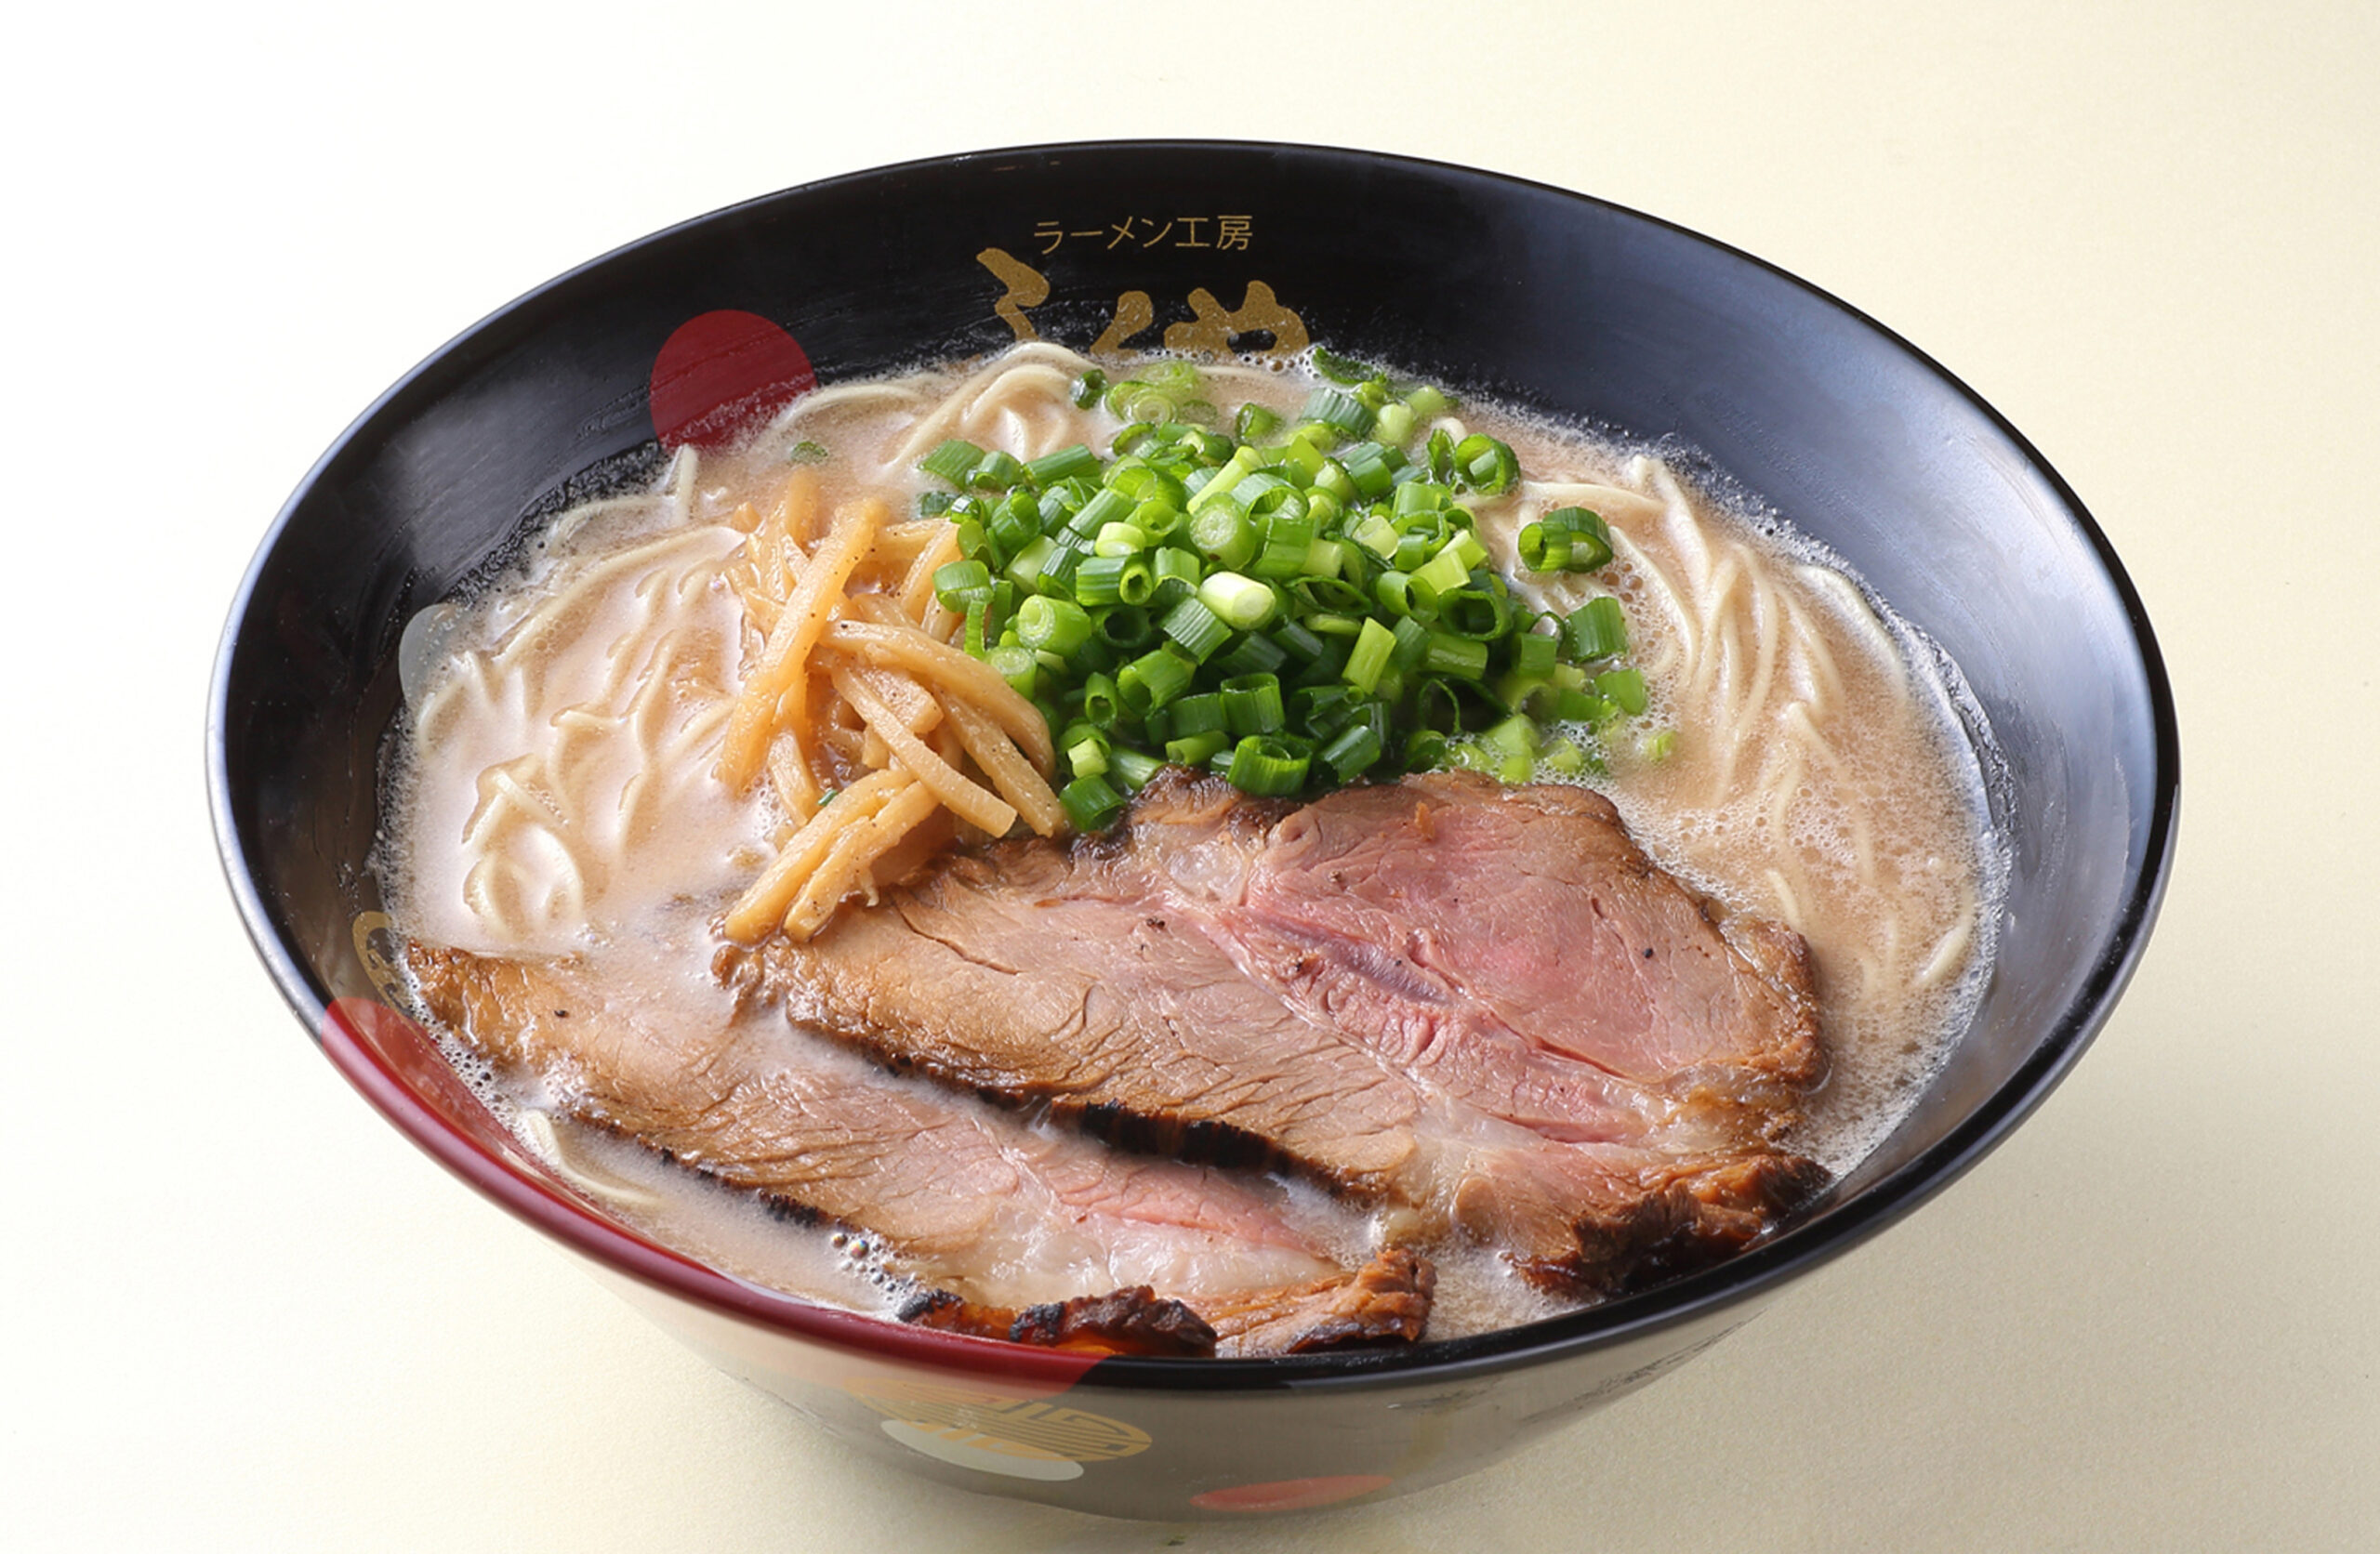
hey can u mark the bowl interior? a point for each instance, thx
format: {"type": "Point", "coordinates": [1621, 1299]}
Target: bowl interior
{"type": "Point", "coordinates": [1545, 299]}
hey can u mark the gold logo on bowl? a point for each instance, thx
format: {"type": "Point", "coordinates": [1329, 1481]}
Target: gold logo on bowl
{"type": "Point", "coordinates": [1209, 329]}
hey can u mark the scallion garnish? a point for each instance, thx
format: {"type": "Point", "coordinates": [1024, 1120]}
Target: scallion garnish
{"type": "Point", "coordinates": [1092, 803]}
{"type": "Point", "coordinates": [1267, 766]}
{"type": "Point", "coordinates": [1286, 605]}
{"type": "Point", "coordinates": [1567, 539]}
{"type": "Point", "coordinates": [952, 462]}
{"type": "Point", "coordinates": [1596, 629]}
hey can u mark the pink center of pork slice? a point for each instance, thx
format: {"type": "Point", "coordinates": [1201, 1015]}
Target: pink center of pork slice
{"type": "Point", "coordinates": [1519, 951]}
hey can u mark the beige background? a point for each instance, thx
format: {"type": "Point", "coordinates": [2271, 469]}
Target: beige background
{"type": "Point", "coordinates": [241, 1313]}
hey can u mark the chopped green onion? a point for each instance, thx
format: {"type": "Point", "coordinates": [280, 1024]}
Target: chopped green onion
{"type": "Point", "coordinates": [953, 461]}
{"type": "Point", "coordinates": [1065, 464]}
{"type": "Point", "coordinates": [1223, 535]}
{"type": "Point", "coordinates": [1375, 534]}
{"type": "Point", "coordinates": [1440, 455]}
{"type": "Point", "coordinates": [1106, 506]}
{"type": "Point", "coordinates": [1118, 539]}
{"type": "Point", "coordinates": [1444, 573]}
{"type": "Point", "coordinates": [1579, 707]}
{"type": "Point", "coordinates": [1267, 766]}
{"type": "Point", "coordinates": [997, 471]}
{"type": "Point", "coordinates": [1019, 665]}
{"type": "Point", "coordinates": [1435, 705]}
{"type": "Point", "coordinates": [1251, 705]}
{"type": "Point", "coordinates": [1624, 687]}
{"type": "Point", "coordinates": [1329, 594]}
{"type": "Point", "coordinates": [1264, 495]}
{"type": "Point", "coordinates": [1303, 461]}
{"type": "Point", "coordinates": [1464, 656]}
{"type": "Point", "coordinates": [1535, 694]}
{"type": "Point", "coordinates": [1012, 528]}
{"type": "Point", "coordinates": [1091, 805]}
{"type": "Point", "coordinates": [1252, 654]}
{"type": "Point", "coordinates": [1298, 640]}
{"type": "Point", "coordinates": [1154, 678]}
{"type": "Point", "coordinates": [1158, 519]}
{"type": "Point", "coordinates": [1202, 713]}
{"type": "Point", "coordinates": [1567, 539]}
{"type": "Point", "coordinates": [1025, 567]}
{"type": "Point", "coordinates": [1177, 573]}
{"type": "Point", "coordinates": [1102, 707]}
{"type": "Point", "coordinates": [1373, 644]}
{"type": "Point", "coordinates": [1515, 735]}
{"type": "Point", "coordinates": [1478, 611]}
{"type": "Point", "coordinates": [1287, 540]}
{"type": "Point", "coordinates": [1134, 768]}
{"type": "Point", "coordinates": [1355, 750]}
{"type": "Point", "coordinates": [961, 583]}
{"type": "Point", "coordinates": [1239, 603]}
{"type": "Point", "coordinates": [1484, 465]}
{"type": "Point", "coordinates": [1195, 749]}
{"type": "Point", "coordinates": [1596, 629]}
{"type": "Point", "coordinates": [1339, 369]}
{"type": "Point", "coordinates": [807, 452]}
{"type": "Point", "coordinates": [1100, 580]}
{"type": "Point", "coordinates": [1224, 480]}
{"type": "Point", "coordinates": [1341, 411]}
{"type": "Point", "coordinates": [1057, 574]}
{"type": "Point", "coordinates": [1368, 469]}
{"type": "Point", "coordinates": [1125, 627]}
{"type": "Point", "coordinates": [1563, 758]}
{"type": "Point", "coordinates": [1249, 603]}
{"type": "Point", "coordinates": [1533, 653]}
{"type": "Point", "coordinates": [1198, 628]}
{"type": "Point", "coordinates": [1325, 709]}
{"type": "Point", "coordinates": [1144, 482]}
{"type": "Point", "coordinates": [1048, 624]}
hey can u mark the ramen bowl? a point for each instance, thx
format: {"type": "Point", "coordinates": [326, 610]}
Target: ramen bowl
{"type": "Point", "coordinates": [1549, 300]}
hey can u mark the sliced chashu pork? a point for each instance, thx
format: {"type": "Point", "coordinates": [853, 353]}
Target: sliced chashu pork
{"type": "Point", "coordinates": [965, 1201]}
{"type": "Point", "coordinates": [1435, 995]}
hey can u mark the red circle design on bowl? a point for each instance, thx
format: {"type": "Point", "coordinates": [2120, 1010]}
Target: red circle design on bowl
{"type": "Point", "coordinates": [1291, 1495]}
{"type": "Point", "coordinates": [721, 372]}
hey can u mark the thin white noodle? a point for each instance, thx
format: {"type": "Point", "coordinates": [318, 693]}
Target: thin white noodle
{"type": "Point", "coordinates": [936, 427]}
{"type": "Point", "coordinates": [1950, 951]}
{"type": "Point", "coordinates": [570, 523]}
{"type": "Point", "coordinates": [1612, 503]}
{"type": "Point", "coordinates": [578, 586]}
{"type": "Point", "coordinates": [1852, 609]}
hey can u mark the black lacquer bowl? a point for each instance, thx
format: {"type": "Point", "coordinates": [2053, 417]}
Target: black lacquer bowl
{"type": "Point", "coordinates": [1547, 299]}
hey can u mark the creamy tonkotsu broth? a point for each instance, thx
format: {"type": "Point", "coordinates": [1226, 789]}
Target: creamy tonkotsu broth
{"type": "Point", "coordinates": [555, 793]}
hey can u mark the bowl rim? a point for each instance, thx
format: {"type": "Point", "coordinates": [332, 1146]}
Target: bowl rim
{"type": "Point", "coordinates": [1751, 1276]}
